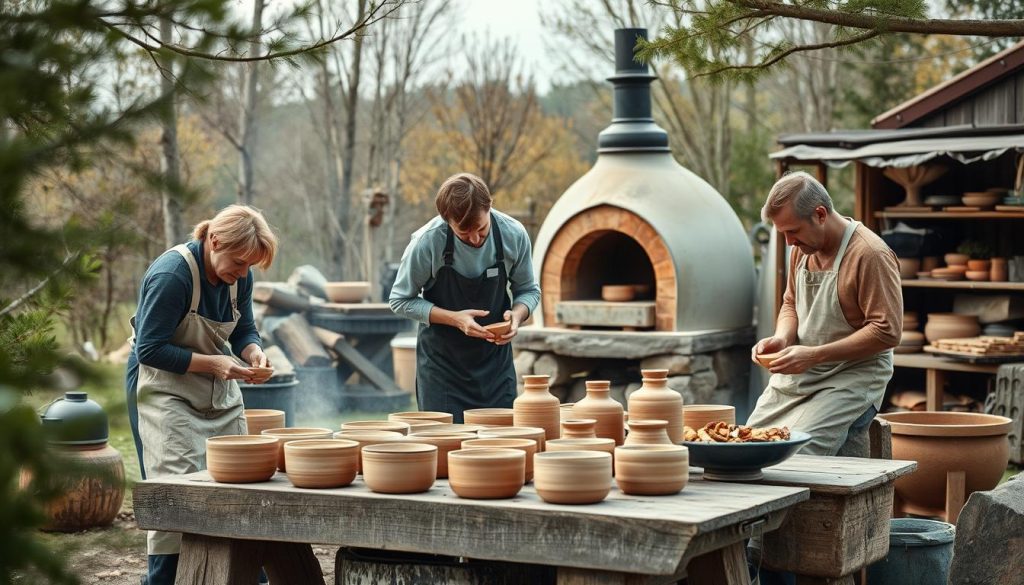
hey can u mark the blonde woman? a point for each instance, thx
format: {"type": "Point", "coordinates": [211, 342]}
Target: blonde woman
{"type": "Point", "coordinates": [194, 317]}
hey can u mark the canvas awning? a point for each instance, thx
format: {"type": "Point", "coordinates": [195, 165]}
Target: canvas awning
{"type": "Point", "coordinates": [906, 153]}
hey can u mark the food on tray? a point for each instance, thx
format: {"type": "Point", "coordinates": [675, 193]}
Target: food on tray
{"type": "Point", "coordinates": [723, 432]}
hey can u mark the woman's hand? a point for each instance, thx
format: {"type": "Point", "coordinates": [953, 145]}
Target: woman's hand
{"type": "Point", "coordinates": [767, 345]}
{"type": "Point", "coordinates": [465, 321]}
{"type": "Point", "coordinates": [253, 354]}
{"type": "Point", "coordinates": [795, 359]}
{"type": "Point", "coordinates": [225, 367]}
{"type": "Point", "coordinates": [515, 319]}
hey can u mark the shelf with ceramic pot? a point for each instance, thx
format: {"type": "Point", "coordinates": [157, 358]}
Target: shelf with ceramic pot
{"type": "Point", "coordinates": [950, 214]}
{"type": "Point", "coordinates": [935, 368]}
{"type": "Point", "coordinates": [964, 284]}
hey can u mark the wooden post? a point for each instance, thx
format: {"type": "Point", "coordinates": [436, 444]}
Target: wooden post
{"type": "Point", "coordinates": [208, 560]}
{"type": "Point", "coordinates": [297, 338]}
{"type": "Point", "coordinates": [935, 383]}
{"type": "Point", "coordinates": [725, 566]}
{"type": "Point", "coordinates": [956, 488]}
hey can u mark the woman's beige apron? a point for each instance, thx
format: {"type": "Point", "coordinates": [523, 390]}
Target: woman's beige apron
{"type": "Point", "coordinates": [826, 399]}
{"type": "Point", "coordinates": [177, 412]}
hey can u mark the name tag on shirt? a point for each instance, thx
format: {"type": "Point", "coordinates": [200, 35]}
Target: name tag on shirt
{"type": "Point", "coordinates": [492, 272]}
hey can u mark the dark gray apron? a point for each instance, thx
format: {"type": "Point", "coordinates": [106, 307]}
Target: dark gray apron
{"type": "Point", "coordinates": [455, 372]}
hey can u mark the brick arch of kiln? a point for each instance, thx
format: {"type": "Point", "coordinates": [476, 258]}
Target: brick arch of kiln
{"type": "Point", "coordinates": [562, 259]}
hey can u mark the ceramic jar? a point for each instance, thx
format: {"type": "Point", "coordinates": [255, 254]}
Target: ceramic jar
{"type": "Point", "coordinates": [368, 437]}
{"type": "Point", "coordinates": [321, 463]}
{"type": "Point", "coordinates": [488, 416]}
{"type": "Point", "coordinates": [241, 458]}
{"type": "Point", "coordinates": [486, 474]}
{"type": "Point", "coordinates": [599, 405]}
{"type": "Point", "coordinates": [400, 468]}
{"type": "Point", "coordinates": [261, 419]}
{"type": "Point", "coordinates": [420, 416]}
{"type": "Point", "coordinates": [696, 416]}
{"type": "Point", "coordinates": [655, 400]}
{"type": "Point", "coordinates": [527, 446]}
{"type": "Point", "coordinates": [565, 411]}
{"type": "Point", "coordinates": [652, 470]}
{"type": "Point", "coordinates": [537, 407]}
{"type": "Point", "coordinates": [572, 477]}
{"type": "Point", "coordinates": [445, 442]}
{"type": "Point", "coordinates": [287, 435]}
{"type": "Point", "coordinates": [535, 433]}
{"type": "Point", "coordinates": [999, 272]}
{"type": "Point", "coordinates": [648, 432]}
{"type": "Point", "coordinates": [376, 425]}
{"type": "Point", "coordinates": [578, 428]}
{"type": "Point", "coordinates": [950, 326]}
{"type": "Point", "coordinates": [91, 487]}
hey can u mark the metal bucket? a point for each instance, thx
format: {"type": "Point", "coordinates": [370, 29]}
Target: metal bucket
{"type": "Point", "coordinates": [919, 553]}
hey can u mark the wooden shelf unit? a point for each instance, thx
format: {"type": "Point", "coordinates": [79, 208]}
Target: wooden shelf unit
{"type": "Point", "coordinates": [949, 214]}
{"type": "Point", "coordinates": [935, 369]}
{"type": "Point", "coordinates": [966, 285]}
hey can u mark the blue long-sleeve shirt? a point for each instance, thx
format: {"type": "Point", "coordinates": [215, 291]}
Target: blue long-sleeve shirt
{"type": "Point", "coordinates": [425, 256]}
{"type": "Point", "coordinates": [164, 299]}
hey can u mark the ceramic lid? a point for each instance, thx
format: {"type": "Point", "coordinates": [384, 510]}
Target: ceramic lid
{"type": "Point", "coordinates": [75, 420]}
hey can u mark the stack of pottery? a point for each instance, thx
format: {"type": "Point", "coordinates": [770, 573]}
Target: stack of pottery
{"type": "Point", "coordinates": [261, 419]}
{"type": "Point", "coordinates": [321, 463]}
{"type": "Point", "coordinates": [978, 270]}
{"type": "Point", "coordinates": [537, 407]}
{"type": "Point", "coordinates": [572, 477]}
{"type": "Point", "coordinates": [910, 342]}
{"type": "Point", "coordinates": [951, 326]}
{"type": "Point", "coordinates": [445, 443]}
{"type": "Point", "coordinates": [376, 425]}
{"type": "Point", "coordinates": [527, 446]}
{"type": "Point", "coordinates": [420, 416]}
{"type": "Point", "coordinates": [910, 321]}
{"type": "Point", "coordinates": [241, 458]}
{"type": "Point", "coordinates": [488, 416]}
{"type": "Point", "coordinates": [535, 433]}
{"type": "Point", "coordinates": [648, 432]}
{"type": "Point", "coordinates": [368, 437]}
{"type": "Point", "coordinates": [652, 470]}
{"type": "Point", "coordinates": [287, 435]}
{"type": "Point", "coordinates": [486, 473]}
{"type": "Point", "coordinates": [578, 428]}
{"type": "Point", "coordinates": [655, 400]}
{"type": "Point", "coordinates": [599, 405]}
{"type": "Point", "coordinates": [696, 416]}
{"type": "Point", "coordinates": [400, 468]}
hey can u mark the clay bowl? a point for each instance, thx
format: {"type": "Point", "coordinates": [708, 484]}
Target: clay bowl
{"type": "Point", "coordinates": [499, 329]}
{"type": "Point", "coordinates": [572, 477]}
{"type": "Point", "coordinates": [950, 273]}
{"type": "Point", "coordinates": [647, 432]}
{"type": "Point", "coordinates": [618, 293]}
{"type": "Point", "coordinates": [600, 444]}
{"type": "Point", "coordinates": [742, 461]}
{"type": "Point", "coordinates": [943, 442]}
{"type": "Point", "coordinates": [979, 265]}
{"type": "Point", "coordinates": [445, 442]}
{"type": "Point", "coordinates": [420, 416]}
{"type": "Point", "coordinates": [260, 374]}
{"type": "Point", "coordinates": [455, 428]}
{"type": "Point", "coordinates": [536, 433]}
{"type": "Point", "coordinates": [578, 428]}
{"type": "Point", "coordinates": [652, 470]}
{"type": "Point", "coordinates": [488, 416]}
{"type": "Point", "coordinates": [241, 458]}
{"type": "Point", "coordinates": [287, 435]}
{"type": "Point", "coordinates": [423, 425]}
{"type": "Point", "coordinates": [696, 416]}
{"type": "Point", "coordinates": [486, 474]}
{"type": "Point", "coordinates": [393, 426]}
{"type": "Point", "coordinates": [766, 359]}
{"type": "Point", "coordinates": [368, 437]}
{"type": "Point", "coordinates": [977, 275]}
{"type": "Point", "coordinates": [925, 274]}
{"type": "Point", "coordinates": [321, 463]}
{"type": "Point", "coordinates": [260, 419]}
{"type": "Point", "coordinates": [400, 468]}
{"type": "Point", "coordinates": [954, 259]}
{"type": "Point", "coordinates": [980, 199]}
{"type": "Point", "coordinates": [951, 326]}
{"type": "Point", "coordinates": [347, 292]}
{"type": "Point", "coordinates": [527, 446]}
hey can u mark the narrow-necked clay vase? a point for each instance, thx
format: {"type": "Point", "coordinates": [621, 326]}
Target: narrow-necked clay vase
{"type": "Point", "coordinates": [652, 470]}
{"type": "Point", "coordinates": [535, 433]}
{"type": "Point", "coordinates": [321, 463]}
{"type": "Point", "coordinates": [368, 437]}
{"type": "Point", "coordinates": [696, 416]}
{"type": "Point", "coordinates": [287, 435]}
{"type": "Point", "coordinates": [486, 474]}
{"type": "Point", "coordinates": [241, 458]}
{"type": "Point", "coordinates": [445, 442]}
{"type": "Point", "coordinates": [648, 432]}
{"type": "Point", "coordinates": [393, 426]}
{"type": "Point", "coordinates": [572, 477]}
{"type": "Point", "coordinates": [400, 468]}
{"type": "Point", "coordinates": [537, 407]}
{"type": "Point", "coordinates": [422, 415]}
{"type": "Point", "coordinates": [655, 400]}
{"type": "Point", "coordinates": [528, 446]}
{"type": "Point", "coordinates": [488, 416]}
{"type": "Point", "coordinates": [599, 405]}
{"type": "Point", "coordinates": [578, 428]}
{"type": "Point", "coordinates": [261, 419]}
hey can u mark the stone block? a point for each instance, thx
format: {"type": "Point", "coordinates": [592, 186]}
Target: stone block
{"type": "Point", "coordinates": [523, 362]}
{"type": "Point", "coordinates": [698, 388]}
{"type": "Point", "coordinates": [732, 366]}
{"type": "Point", "coordinates": [989, 545]}
{"type": "Point", "coordinates": [677, 364]}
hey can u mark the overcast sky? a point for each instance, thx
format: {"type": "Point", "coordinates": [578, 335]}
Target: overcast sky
{"type": "Point", "coordinates": [517, 20]}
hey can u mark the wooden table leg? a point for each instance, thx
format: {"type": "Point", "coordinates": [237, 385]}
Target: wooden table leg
{"type": "Point", "coordinates": [956, 494]}
{"type": "Point", "coordinates": [208, 560]}
{"type": "Point", "coordinates": [935, 382]}
{"type": "Point", "coordinates": [725, 566]}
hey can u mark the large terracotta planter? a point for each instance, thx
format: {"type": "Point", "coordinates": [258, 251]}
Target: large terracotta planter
{"type": "Point", "coordinates": [91, 486]}
{"type": "Point", "coordinates": [445, 442]}
{"type": "Point", "coordinates": [652, 470]}
{"type": "Point", "coordinates": [696, 416]}
{"type": "Point", "coordinates": [394, 426]}
{"type": "Point", "coordinates": [261, 419]}
{"type": "Point", "coordinates": [321, 463]}
{"type": "Point", "coordinates": [400, 468]}
{"type": "Point", "coordinates": [535, 433]}
{"type": "Point", "coordinates": [488, 416]}
{"type": "Point", "coordinates": [368, 437]}
{"type": "Point", "coordinates": [943, 443]}
{"type": "Point", "coordinates": [486, 474]}
{"type": "Point", "coordinates": [655, 400]}
{"type": "Point", "coordinates": [287, 435]}
{"type": "Point", "coordinates": [648, 432]}
{"type": "Point", "coordinates": [527, 446]}
{"type": "Point", "coordinates": [951, 326]}
{"type": "Point", "coordinates": [572, 477]}
{"type": "Point", "coordinates": [578, 428]}
{"type": "Point", "coordinates": [600, 406]}
{"type": "Point", "coordinates": [242, 458]}
{"type": "Point", "coordinates": [420, 416]}
{"type": "Point", "coordinates": [537, 407]}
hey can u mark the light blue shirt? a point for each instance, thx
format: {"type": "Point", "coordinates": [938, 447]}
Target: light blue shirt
{"type": "Point", "coordinates": [425, 256]}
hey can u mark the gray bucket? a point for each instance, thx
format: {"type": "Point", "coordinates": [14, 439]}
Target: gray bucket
{"type": "Point", "coordinates": [919, 553]}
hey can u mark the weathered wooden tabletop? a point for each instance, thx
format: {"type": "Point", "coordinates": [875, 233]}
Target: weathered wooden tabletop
{"type": "Point", "coordinates": [836, 475]}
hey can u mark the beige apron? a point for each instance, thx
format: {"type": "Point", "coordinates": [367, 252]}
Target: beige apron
{"type": "Point", "coordinates": [177, 412]}
{"type": "Point", "coordinates": [826, 399]}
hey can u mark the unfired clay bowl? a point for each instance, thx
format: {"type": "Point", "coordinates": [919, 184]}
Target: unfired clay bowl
{"type": "Point", "coordinates": [618, 293]}
{"type": "Point", "coordinates": [287, 435]}
{"type": "Point", "coordinates": [400, 468]}
{"type": "Point", "coordinates": [652, 470]}
{"type": "Point", "coordinates": [241, 458]}
{"type": "Point", "coordinates": [445, 443]}
{"type": "Point", "coordinates": [422, 415]}
{"type": "Point", "coordinates": [499, 329]}
{"type": "Point", "coordinates": [347, 292]}
{"type": "Point", "coordinates": [261, 419]}
{"type": "Point", "coordinates": [572, 477]}
{"type": "Point", "coordinates": [321, 463]}
{"type": "Point", "coordinates": [368, 437]}
{"type": "Point", "coordinates": [486, 473]}
{"type": "Point", "coordinates": [535, 433]}
{"type": "Point", "coordinates": [488, 416]}
{"type": "Point", "coordinates": [394, 426]}
{"type": "Point", "coordinates": [696, 416]}
{"type": "Point", "coordinates": [766, 359]}
{"type": "Point", "coordinates": [527, 446]}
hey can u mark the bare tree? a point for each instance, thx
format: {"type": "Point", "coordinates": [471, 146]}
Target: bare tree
{"type": "Point", "coordinates": [171, 195]}
{"type": "Point", "coordinates": [247, 128]}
